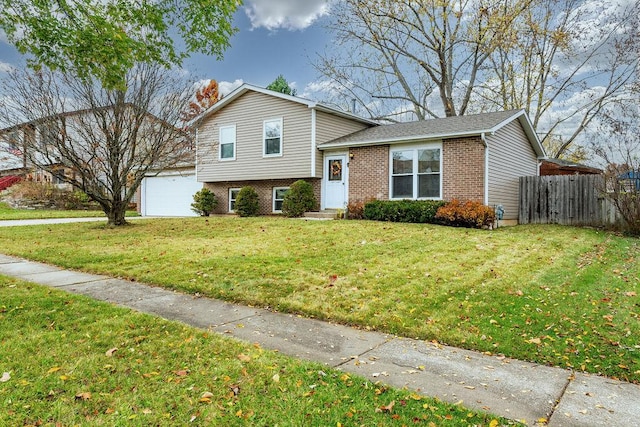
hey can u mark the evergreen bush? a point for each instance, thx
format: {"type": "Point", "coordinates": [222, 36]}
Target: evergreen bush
{"type": "Point", "coordinates": [204, 202]}
{"type": "Point", "coordinates": [299, 199]}
{"type": "Point", "coordinates": [247, 202]}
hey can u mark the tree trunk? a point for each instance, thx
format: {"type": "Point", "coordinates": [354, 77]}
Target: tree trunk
{"type": "Point", "coordinates": [116, 214]}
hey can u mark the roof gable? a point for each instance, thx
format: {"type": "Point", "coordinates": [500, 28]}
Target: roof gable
{"type": "Point", "coordinates": [444, 128]}
{"type": "Point", "coordinates": [238, 92]}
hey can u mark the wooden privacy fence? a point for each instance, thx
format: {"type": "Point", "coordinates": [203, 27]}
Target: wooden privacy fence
{"type": "Point", "coordinates": [567, 200]}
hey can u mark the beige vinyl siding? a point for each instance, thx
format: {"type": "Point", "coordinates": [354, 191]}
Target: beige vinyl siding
{"type": "Point", "coordinates": [329, 127]}
{"type": "Point", "coordinates": [510, 157]}
{"type": "Point", "coordinates": [248, 113]}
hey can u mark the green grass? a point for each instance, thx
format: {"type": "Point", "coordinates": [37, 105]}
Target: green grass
{"type": "Point", "coordinates": [8, 213]}
{"type": "Point", "coordinates": [553, 295]}
{"type": "Point", "coordinates": [57, 350]}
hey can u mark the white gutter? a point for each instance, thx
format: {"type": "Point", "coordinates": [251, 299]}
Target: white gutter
{"type": "Point", "coordinates": [486, 168]}
{"type": "Point", "coordinates": [313, 143]}
{"type": "Point", "coordinates": [400, 140]}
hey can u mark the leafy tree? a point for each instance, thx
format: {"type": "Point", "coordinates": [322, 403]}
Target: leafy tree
{"type": "Point", "coordinates": [110, 138]}
{"type": "Point", "coordinates": [281, 85]}
{"type": "Point", "coordinates": [247, 202]}
{"type": "Point", "coordinates": [204, 202]}
{"type": "Point", "coordinates": [105, 39]}
{"type": "Point", "coordinates": [299, 199]}
{"type": "Point", "coordinates": [407, 59]}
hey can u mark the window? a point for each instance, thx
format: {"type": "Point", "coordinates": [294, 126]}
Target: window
{"type": "Point", "coordinates": [335, 169]}
{"type": "Point", "coordinates": [273, 137]}
{"type": "Point", "coordinates": [233, 194]}
{"type": "Point", "coordinates": [227, 143]}
{"type": "Point", "coordinates": [278, 197]}
{"type": "Point", "coordinates": [415, 173]}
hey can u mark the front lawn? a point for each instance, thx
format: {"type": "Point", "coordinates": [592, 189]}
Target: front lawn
{"type": "Point", "coordinates": [554, 295]}
{"type": "Point", "coordinates": [69, 360]}
{"type": "Point", "coordinates": [8, 213]}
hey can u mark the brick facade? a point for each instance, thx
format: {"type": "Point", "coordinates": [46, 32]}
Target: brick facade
{"type": "Point", "coordinates": [263, 188]}
{"type": "Point", "coordinates": [462, 171]}
{"type": "Point", "coordinates": [369, 173]}
{"type": "Point", "coordinates": [463, 167]}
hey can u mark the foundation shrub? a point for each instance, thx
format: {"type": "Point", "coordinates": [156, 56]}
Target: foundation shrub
{"type": "Point", "coordinates": [204, 202]}
{"type": "Point", "coordinates": [468, 214]}
{"type": "Point", "coordinates": [418, 211]}
{"type": "Point", "coordinates": [299, 199]}
{"type": "Point", "coordinates": [247, 202]}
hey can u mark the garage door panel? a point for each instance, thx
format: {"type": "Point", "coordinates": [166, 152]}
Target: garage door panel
{"type": "Point", "coordinates": [170, 195]}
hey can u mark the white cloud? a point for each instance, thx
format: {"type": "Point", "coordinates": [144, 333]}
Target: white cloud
{"type": "Point", "coordinates": [6, 67]}
{"type": "Point", "coordinates": [225, 88]}
{"type": "Point", "coordinates": [287, 14]}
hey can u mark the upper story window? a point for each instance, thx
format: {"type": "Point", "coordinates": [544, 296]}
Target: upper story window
{"type": "Point", "coordinates": [272, 136]}
{"type": "Point", "coordinates": [227, 143]}
{"type": "Point", "coordinates": [416, 173]}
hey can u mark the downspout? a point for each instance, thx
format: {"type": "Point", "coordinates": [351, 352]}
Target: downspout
{"type": "Point", "coordinates": [313, 143]}
{"type": "Point", "coordinates": [486, 168]}
{"type": "Point", "coordinates": [196, 162]}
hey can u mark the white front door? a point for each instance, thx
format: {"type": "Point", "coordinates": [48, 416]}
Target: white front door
{"type": "Point", "coordinates": [335, 181]}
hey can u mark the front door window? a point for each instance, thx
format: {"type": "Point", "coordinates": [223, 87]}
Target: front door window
{"type": "Point", "coordinates": [335, 169]}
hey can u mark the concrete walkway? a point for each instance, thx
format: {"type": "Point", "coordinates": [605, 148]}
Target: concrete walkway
{"type": "Point", "coordinates": [510, 388]}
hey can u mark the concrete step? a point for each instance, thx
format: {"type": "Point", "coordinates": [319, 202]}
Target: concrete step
{"type": "Point", "coordinates": [323, 214]}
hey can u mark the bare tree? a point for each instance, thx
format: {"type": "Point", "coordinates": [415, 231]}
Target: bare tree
{"type": "Point", "coordinates": [398, 56]}
{"type": "Point", "coordinates": [574, 57]}
{"type": "Point", "coordinates": [617, 144]}
{"type": "Point", "coordinates": [409, 59]}
{"type": "Point", "coordinates": [110, 139]}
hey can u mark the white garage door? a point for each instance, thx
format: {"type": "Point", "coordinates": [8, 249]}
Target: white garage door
{"type": "Point", "coordinates": [169, 195]}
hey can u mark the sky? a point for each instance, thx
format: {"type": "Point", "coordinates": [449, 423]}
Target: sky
{"type": "Point", "coordinates": [284, 37]}
{"type": "Point", "coordinates": [275, 37]}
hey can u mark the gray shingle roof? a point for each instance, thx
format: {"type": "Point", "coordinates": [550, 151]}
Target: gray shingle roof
{"type": "Point", "coordinates": [426, 129]}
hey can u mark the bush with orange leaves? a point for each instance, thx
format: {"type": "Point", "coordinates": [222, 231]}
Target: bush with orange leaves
{"type": "Point", "coordinates": [466, 214]}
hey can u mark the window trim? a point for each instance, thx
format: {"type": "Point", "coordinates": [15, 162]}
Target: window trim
{"type": "Point", "coordinates": [221, 128]}
{"type": "Point", "coordinates": [232, 200]}
{"type": "Point", "coordinates": [264, 137]}
{"type": "Point", "coordinates": [415, 175]}
{"type": "Point", "coordinates": [273, 198]}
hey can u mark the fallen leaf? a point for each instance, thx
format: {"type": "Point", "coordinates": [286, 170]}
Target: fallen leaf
{"type": "Point", "coordinates": [534, 341]}
{"type": "Point", "coordinates": [182, 373]}
{"type": "Point", "coordinates": [244, 358]}
{"type": "Point", "coordinates": [5, 377]}
{"type": "Point", "coordinates": [276, 378]}
{"type": "Point", "coordinates": [387, 408]}
{"type": "Point", "coordinates": [109, 353]}
{"type": "Point", "coordinates": [83, 396]}
{"type": "Point", "coordinates": [54, 369]}
{"type": "Point", "coordinates": [630, 294]}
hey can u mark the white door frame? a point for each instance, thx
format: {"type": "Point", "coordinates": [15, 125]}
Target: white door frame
{"type": "Point", "coordinates": [344, 156]}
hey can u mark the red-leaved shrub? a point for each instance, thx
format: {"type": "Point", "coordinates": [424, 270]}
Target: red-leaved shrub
{"type": "Point", "coordinates": [466, 214]}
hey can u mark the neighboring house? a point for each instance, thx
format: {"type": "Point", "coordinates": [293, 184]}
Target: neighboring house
{"type": "Point", "coordinates": [13, 156]}
{"type": "Point", "coordinates": [566, 167]}
{"type": "Point", "coordinates": [268, 140]}
{"type": "Point", "coordinates": [162, 192]}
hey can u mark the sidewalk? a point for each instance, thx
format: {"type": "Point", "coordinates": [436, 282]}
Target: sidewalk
{"type": "Point", "coordinates": [510, 388]}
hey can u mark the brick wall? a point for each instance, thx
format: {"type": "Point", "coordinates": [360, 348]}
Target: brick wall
{"type": "Point", "coordinates": [369, 173]}
{"type": "Point", "coordinates": [463, 169]}
{"type": "Point", "coordinates": [263, 188]}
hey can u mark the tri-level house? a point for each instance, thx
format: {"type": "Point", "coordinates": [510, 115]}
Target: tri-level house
{"type": "Point", "coordinates": [269, 140]}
